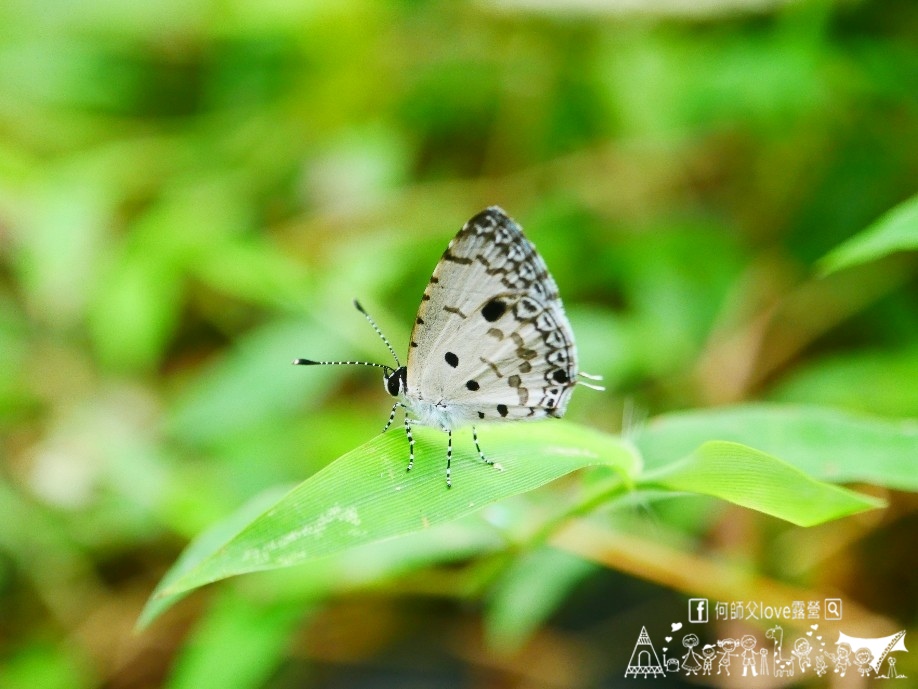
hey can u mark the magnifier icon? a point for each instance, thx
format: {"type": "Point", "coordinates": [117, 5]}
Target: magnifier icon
{"type": "Point", "coordinates": [833, 608]}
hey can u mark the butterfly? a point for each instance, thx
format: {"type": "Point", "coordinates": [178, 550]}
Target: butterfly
{"type": "Point", "coordinates": [490, 342]}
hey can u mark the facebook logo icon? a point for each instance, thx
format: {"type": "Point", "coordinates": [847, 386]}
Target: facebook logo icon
{"type": "Point", "coordinates": [698, 610]}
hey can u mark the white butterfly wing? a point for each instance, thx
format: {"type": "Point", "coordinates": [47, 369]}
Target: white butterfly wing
{"type": "Point", "coordinates": [491, 340]}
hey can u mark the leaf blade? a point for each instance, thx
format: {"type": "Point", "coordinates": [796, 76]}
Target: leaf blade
{"type": "Point", "coordinates": [201, 548]}
{"type": "Point", "coordinates": [896, 230]}
{"type": "Point", "coordinates": [366, 495]}
{"type": "Point", "coordinates": [756, 480]}
{"type": "Point", "coordinates": [826, 443]}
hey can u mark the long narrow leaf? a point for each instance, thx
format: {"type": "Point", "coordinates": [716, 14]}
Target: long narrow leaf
{"type": "Point", "coordinates": [897, 230]}
{"type": "Point", "coordinates": [366, 495]}
{"type": "Point", "coordinates": [825, 443]}
{"type": "Point", "coordinates": [753, 479]}
{"type": "Point", "coordinates": [203, 546]}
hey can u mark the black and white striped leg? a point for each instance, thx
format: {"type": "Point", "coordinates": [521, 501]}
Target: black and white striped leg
{"type": "Point", "coordinates": [391, 416]}
{"type": "Point", "coordinates": [410, 442]}
{"type": "Point", "coordinates": [480, 453]}
{"type": "Point", "coordinates": [449, 457]}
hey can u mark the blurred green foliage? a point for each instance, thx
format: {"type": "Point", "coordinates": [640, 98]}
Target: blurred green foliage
{"type": "Point", "coordinates": [192, 193]}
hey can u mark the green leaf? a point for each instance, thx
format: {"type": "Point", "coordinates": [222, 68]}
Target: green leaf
{"type": "Point", "coordinates": [531, 589]}
{"type": "Point", "coordinates": [135, 310]}
{"type": "Point", "coordinates": [897, 230]}
{"type": "Point", "coordinates": [756, 480]}
{"type": "Point", "coordinates": [202, 547]}
{"type": "Point", "coordinates": [36, 662]}
{"type": "Point", "coordinates": [828, 444]}
{"type": "Point", "coordinates": [242, 389]}
{"type": "Point", "coordinates": [867, 381]}
{"type": "Point", "coordinates": [258, 634]}
{"type": "Point", "coordinates": [366, 495]}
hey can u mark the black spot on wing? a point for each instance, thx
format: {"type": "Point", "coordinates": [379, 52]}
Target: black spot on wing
{"type": "Point", "coordinates": [493, 310]}
{"type": "Point", "coordinates": [502, 409]}
{"type": "Point", "coordinates": [472, 385]}
{"type": "Point", "coordinates": [451, 359]}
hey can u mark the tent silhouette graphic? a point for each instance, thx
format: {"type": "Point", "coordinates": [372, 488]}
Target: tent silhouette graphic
{"type": "Point", "coordinates": [644, 660]}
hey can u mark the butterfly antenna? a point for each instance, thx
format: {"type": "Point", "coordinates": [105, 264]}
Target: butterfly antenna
{"type": "Point", "coordinates": [310, 362]}
{"type": "Point", "coordinates": [378, 332]}
{"type": "Point", "coordinates": [590, 385]}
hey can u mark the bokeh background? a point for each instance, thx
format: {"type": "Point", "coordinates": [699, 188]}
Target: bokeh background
{"type": "Point", "coordinates": [192, 193]}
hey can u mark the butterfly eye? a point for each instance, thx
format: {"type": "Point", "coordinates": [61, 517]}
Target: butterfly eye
{"type": "Point", "coordinates": [397, 381]}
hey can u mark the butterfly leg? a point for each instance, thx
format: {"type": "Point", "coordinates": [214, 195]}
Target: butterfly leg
{"type": "Point", "coordinates": [480, 453]}
{"type": "Point", "coordinates": [391, 416]}
{"type": "Point", "coordinates": [410, 442]}
{"type": "Point", "coordinates": [449, 457]}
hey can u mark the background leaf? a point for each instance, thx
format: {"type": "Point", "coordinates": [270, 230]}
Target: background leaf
{"type": "Point", "coordinates": [257, 634]}
{"type": "Point", "coordinates": [868, 382]}
{"type": "Point", "coordinates": [753, 479]}
{"type": "Point", "coordinates": [896, 230]}
{"type": "Point", "coordinates": [529, 591]}
{"type": "Point", "coordinates": [827, 444]}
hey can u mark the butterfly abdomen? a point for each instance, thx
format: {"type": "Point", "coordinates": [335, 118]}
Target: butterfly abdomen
{"type": "Point", "coordinates": [437, 415]}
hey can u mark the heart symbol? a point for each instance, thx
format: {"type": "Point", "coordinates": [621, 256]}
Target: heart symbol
{"type": "Point", "coordinates": [809, 633]}
{"type": "Point", "coordinates": [665, 649]}
{"type": "Point", "coordinates": [820, 639]}
{"type": "Point", "coordinates": [668, 638]}
{"type": "Point", "coordinates": [814, 627]}
{"type": "Point", "coordinates": [676, 626]}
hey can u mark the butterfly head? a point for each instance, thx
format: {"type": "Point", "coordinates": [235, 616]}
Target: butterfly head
{"type": "Point", "coordinates": [396, 382]}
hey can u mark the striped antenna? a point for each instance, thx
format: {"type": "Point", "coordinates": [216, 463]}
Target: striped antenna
{"type": "Point", "coordinates": [310, 362]}
{"type": "Point", "coordinates": [378, 332]}
{"type": "Point", "coordinates": [388, 369]}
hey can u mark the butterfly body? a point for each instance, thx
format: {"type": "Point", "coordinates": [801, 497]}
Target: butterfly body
{"type": "Point", "coordinates": [440, 415]}
{"type": "Point", "coordinates": [424, 412]}
{"type": "Point", "coordinates": [491, 341]}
